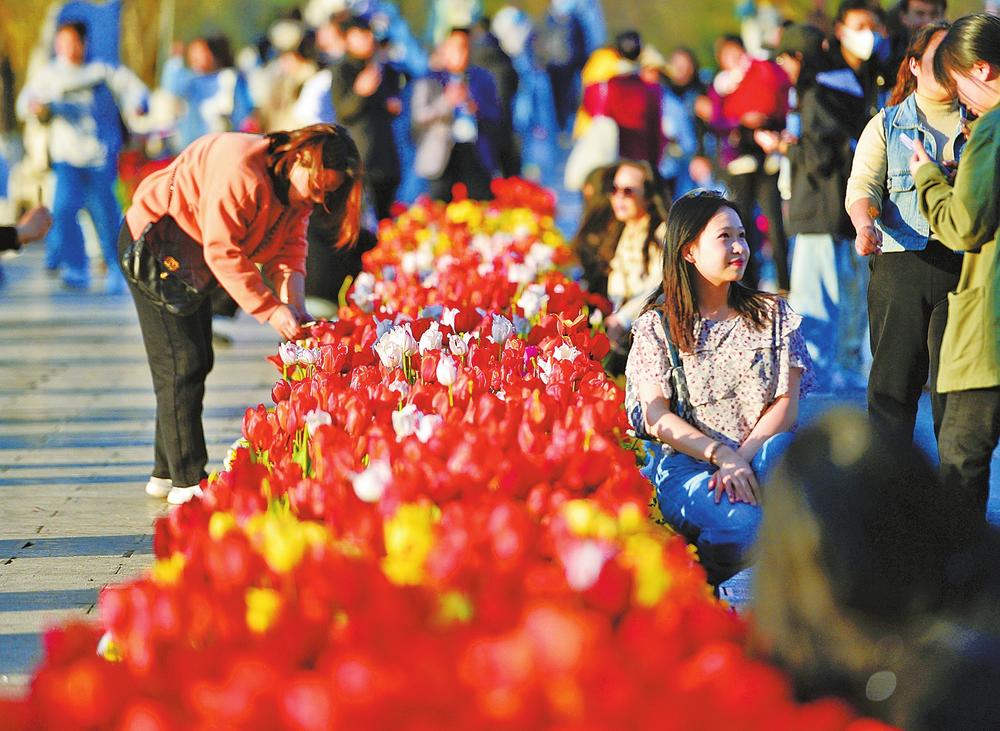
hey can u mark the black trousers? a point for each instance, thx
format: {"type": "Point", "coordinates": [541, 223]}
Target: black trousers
{"type": "Point", "coordinates": [383, 195]}
{"type": "Point", "coordinates": [179, 351]}
{"type": "Point", "coordinates": [969, 434]}
{"type": "Point", "coordinates": [907, 312]}
{"type": "Point", "coordinates": [465, 167]}
{"type": "Point", "coordinates": [750, 190]}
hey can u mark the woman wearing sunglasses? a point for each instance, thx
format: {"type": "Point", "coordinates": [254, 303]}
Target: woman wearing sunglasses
{"type": "Point", "coordinates": [625, 260]}
{"type": "Point", "coordinates": [246, 200]}
{"type": "Point", "coordinates": [718, 408]}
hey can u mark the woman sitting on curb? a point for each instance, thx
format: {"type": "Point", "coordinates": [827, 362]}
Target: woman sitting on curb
{"type": "Point", "coordinates": [744, 364]}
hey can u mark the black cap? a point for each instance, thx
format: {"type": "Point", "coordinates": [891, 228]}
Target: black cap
{"type": "Point", "coordinates": [629, 44]}
{"type": "Point", "coordinates": [804, 39]}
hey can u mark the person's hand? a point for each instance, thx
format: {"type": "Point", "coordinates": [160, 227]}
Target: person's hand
{"type": "Point", "coordinates": [394, 105]}
{"type": "Point", "coordinates": [614, 329]}
{"type": "Point", "coordinates": [367, 82]}
{"type": "Point", "coordinates": [950, 168]}
{"type": "Point", "coordinates": [753, 120]}
{"type": "Point", "coordinates": [34, 224]}
{"type": "Point", "coordinates": [868, 241]}
{"type": "Point", "coordinates": [735, 477]}
{"type": "Point", "coordinates": [919, 159]}
{"type": "Point", "coordinates": [767, 140]}
{"type": "Point", "coordinates": [703, 108]}
{"type": "Point", "coordinates": [285, 322]}
{"type": "Point", "coordinates": [700, 170]}
{"type": "Point", "coordinates": [456, 94]}
{"type": "Point", "coordinates": [300, 312]}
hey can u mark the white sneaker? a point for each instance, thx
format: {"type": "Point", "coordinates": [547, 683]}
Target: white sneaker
{"type": "Point", "coordinates": [181, 495]}
{"type": "Point", "coordinates": [158, 487]}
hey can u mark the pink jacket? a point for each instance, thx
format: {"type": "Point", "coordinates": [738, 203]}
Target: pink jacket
{"type": "Point", "coordinates": [224, 199]}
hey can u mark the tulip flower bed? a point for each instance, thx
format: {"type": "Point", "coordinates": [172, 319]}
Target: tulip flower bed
{"type": "Point", "coordinates": [439, 524]}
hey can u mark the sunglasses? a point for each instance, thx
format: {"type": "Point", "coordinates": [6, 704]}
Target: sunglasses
{"type": "Point", "coordinates": [628, 191]}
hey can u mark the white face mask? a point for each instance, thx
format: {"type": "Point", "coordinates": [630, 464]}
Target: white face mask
{"type": "Point", "coordinates": [860, 43]}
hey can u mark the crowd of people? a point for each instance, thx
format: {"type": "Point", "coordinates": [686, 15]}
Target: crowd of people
{"type": "Point", "coordinates": [833, 223]}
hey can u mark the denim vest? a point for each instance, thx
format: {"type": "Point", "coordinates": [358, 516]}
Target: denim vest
{"type": "Point", "coordinates": [903, 226]}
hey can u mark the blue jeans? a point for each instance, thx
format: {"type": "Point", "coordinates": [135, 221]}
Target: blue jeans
{"type": "Point", "coordinates": [722, 532]}
{"type": "Point", "coordinates": [76, 188]}
{"type": "Point", "coordinates": [829, 285]}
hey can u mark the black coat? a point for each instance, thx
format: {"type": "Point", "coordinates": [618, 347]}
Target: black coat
{"type": "Point", "coordinates": [835, 105]}
{"type": "Point", "coordinates": [367, 118]}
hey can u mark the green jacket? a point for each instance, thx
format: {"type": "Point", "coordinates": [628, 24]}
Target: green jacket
{"type": "Point", "coordinates": [966, 218]}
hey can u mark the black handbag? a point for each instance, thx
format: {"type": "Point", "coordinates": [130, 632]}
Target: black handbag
{"type": "Point", "coordinates": [168, 266]}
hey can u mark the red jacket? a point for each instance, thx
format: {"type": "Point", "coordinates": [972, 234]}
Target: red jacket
{"type": "Point", "coordinates": [764, 89]}
{"type": "Point", "coordinates": [635, 107]}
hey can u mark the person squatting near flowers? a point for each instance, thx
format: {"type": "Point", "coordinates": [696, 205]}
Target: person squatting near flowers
{"type": "Point", "coordinates": [246, 199]}
{"type": "Point", "coordinates": [965, 216]}
{"type": "Point", "coordinates": [625, 262]}
{"type": "Point", "coordinates": [912, 272]}
{"type": "Point", "coordinates": [745, 364]}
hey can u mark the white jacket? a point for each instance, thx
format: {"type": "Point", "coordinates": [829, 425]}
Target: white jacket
{"type": "Point", "coordinates": [78, 134]}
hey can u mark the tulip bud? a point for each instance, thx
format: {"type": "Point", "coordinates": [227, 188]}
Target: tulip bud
{"type": "Point", "coordinates": [502, 329]}
{"type": "Point", "coordinates": [459, 344]}
{"type": "Point", "coordinates": [447, 370]}
{"type": "Point", "coordinates": [289, 353]}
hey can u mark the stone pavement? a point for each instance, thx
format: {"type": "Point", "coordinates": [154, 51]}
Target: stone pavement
{"type": "Point", "coordinates": [76, 436]}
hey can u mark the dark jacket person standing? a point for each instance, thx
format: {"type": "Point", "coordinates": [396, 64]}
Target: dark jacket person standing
{"type": "Point", "coordinates": [365, 93]}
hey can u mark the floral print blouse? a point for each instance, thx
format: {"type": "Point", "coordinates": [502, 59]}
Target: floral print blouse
{"type": "Point", "coordinates": [734, 373]}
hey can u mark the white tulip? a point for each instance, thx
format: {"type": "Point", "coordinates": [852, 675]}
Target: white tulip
{"type": "Point", "coordinates": [427, 424]}
{"type": "Point", "coordinates": [565, 352]}
{"type": "Point", "coordinates": [289, 353]}
{"type": "Point", "coordinates": [447, 370]}
{"type": "Point", "coordinates": [459, 344]}
{"type": "Point", "coordinates": [502, 329]}
{"type": "Point", "coordinates": [432, 339]}
{"type": "Point", "coordinates": [584, 563]}
{"type": "Point", "coordinates": [448, 317]}
{"type": "Point", "coordinates": [371, 484]}
{"type": "Point", "coordinates": [532, 300]}
{"type": "Point", "coordinates": [317, 418]}
{"type": "Point", "coordinates": [404, 421]}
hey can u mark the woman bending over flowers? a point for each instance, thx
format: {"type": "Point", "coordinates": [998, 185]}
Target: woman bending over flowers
{"type": "Point", "coordinates": [745, 365]}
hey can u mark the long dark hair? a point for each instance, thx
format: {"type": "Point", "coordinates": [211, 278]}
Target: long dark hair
{"type": "Point", "coordinates": [906, 82]}
{"type": "Point", "coordinates": [591, 241]}
{"type": "Point", "coordinates": [686, 220]}
{"type": "Point", "coordinates": [836, 574]}
{"type": "Point", "coordinates": [600, 244]}
{"type": "Point", "coordinates": [324, 147]}
{"type": "Point", "coordinates": [971, 38]}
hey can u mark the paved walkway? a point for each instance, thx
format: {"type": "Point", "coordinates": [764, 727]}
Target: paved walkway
{"type": "Point", "coordinates": [76, 436]}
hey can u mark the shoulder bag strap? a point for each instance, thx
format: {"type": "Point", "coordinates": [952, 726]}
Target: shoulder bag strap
{"type": "Point", "coordinates": [680, 400]}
